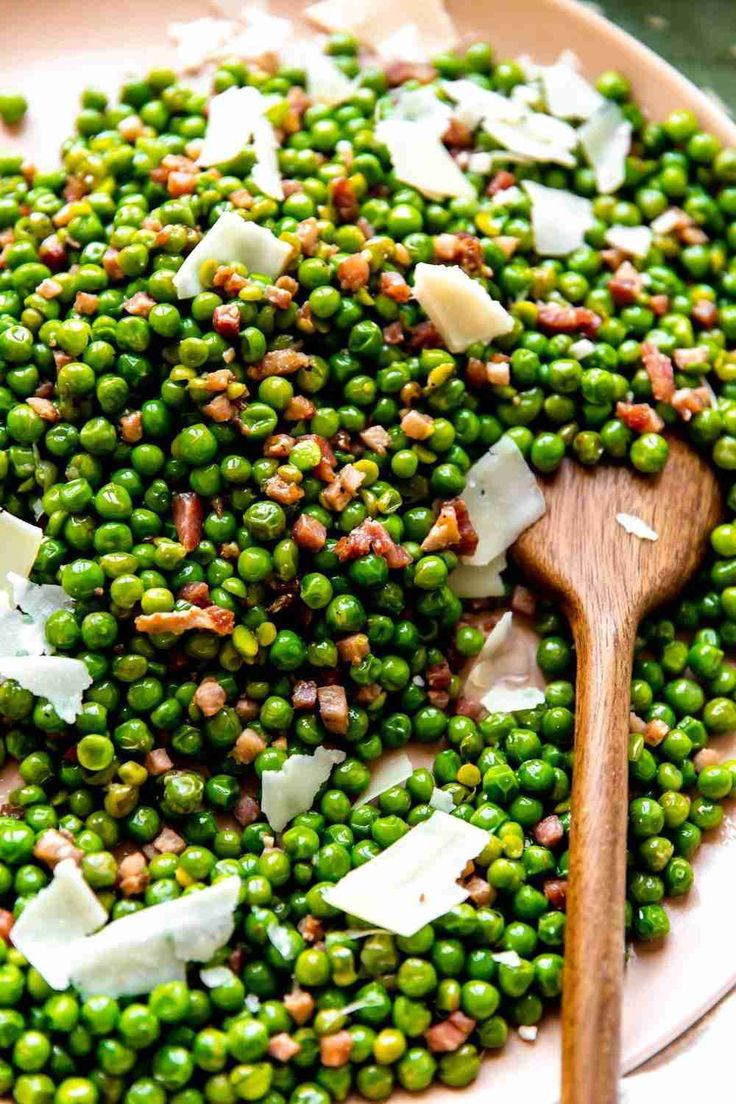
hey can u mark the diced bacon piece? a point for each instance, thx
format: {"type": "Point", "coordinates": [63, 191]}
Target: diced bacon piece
{"type": "Point", "coordinates": [641, 417]}
{"type": "Point", "coordinates": [247, 709]}
{"type": "Point", "coordinates": [366, 695]}
{"type": "Point", "coordinates": [500, 182]}
{"type": "Point", "coordinates": [220, 409]}
{"type": "Point", "coordinates": [210, 697]}
{"type": "Point", "coordinates": [248, 746]}
{"type": "Point", "coordinates": [334, 1050]}
{"type": "Point", "coordinates": [555, 890]}
{"type": "Point", "coordinates": [425, 335]}
{"type": "Point", "coordinates": [74, 189]}
{"type": "Point", "coordinates": [345, 487]}
{"type": "Point", "coordinates": [299, 408]}
{"type": "Point", "coordinates": [226, 320]}
{"type": "Point", "coordinates": [54, 846]}
{"type": "Point", "coordinates": [311, 929]}
{"type": "Point", "coordinates": [659, 369]}
{"type": "Point", "coordinates": [523, 601]}
{"type": "Point", "coordinates": [309, 533]}
{"type": "Point", "coordinates": [247, 810]}
{"type": "Point", "coordinates": [352, 649]}
{"type": "Point", "coordinates": [131, 427]}
{"type": "Point", "coordinates": [354, 272]}
{"type": "Point", "coordinates": [417, 426]}
{"type": "Point", "coordinates": [139, 304]}
{"type": "Point", "coordinates": [111, 265]}
{"type": "Point", "coordinates": [440, 699]}
{"type": "Point", "coordinates": [216, 381]}
{"type": "Point", "coordinates": [439, 675]}
{"type": "Point", "coordinates": [554, 318]}
{"type": "Point", "coordinates": [705, 314]}
{"type": "Point", "coordinates": [464, 707]}
{"type": "Point", "coordinates": [549, 832]}
{"type": "Point", "coordinates": [444, 533]}
{"type": "Point", "coordinates": [468, 536]}
{"type": "Point", "coordinates": [52, 252]}
{"type": "Point", "coordinates": [278, 446]}
{"type": "Point", "coordinates": [49, 288]}
{"type": "Point", "coordinates": [659, 304]}
{"type": "Point", "coordinates": [457, 134]}
{"type": "Point", "coordinates": [6, 925]}
{"type": "Point", "coordinates": [300, 1005]}
{"type": "Point", "coordinates": [480, 891]}
{"type": "Point", "coordinates": [323, 470]}
{"type": "Point", "coordinates": [344, 200]}
{"type": "Point", "coordinates": [687, 401]}
{"type": "Point", "coordinates": [85, 302]}
{"type": "Point", "coordinates": [280, 490]}
{"type": "Point", "coordinates": [636, 723]}
{"type": "Point", "coordinates": [498, 372]}
{"type": "Point", "coordinates": [133, 874]}
{"type": "Point", "coordinates": [371, 535]}
{"type": "Point", "coordinates": [44, 390]}
{"type": "Point", "coordinates": [376, 438]}
{"type": "Point", "coordinates": [626, 284]}
{"type": "Point", "coordinates": [188, 515]}
{"type": "Point", "coordinates": [304, 694]}
{"type": "Point", "coordinates": [462, 249]}
{"type": "Point", "coordinates": [158, 761]}
{"type": "Point", "coordinates": [693, 235]}
{"type": "Point", "coordinates": [706, 757]}
{"type": "Point", "coordinates": [333, 708]}
{"type": "Point", "coordinates": [398, 72]}
{"type": "Point", "coordinates": [277, 297]}
{"type": "Point", "coordinates": [447, 1036]}
{"type": "Point", "coordinates": [61, 359]}
{"type": "Point", "coordinates": [169, 841]}
{"type": "Point", "coordinates": [687, 358]}
{"type": "Point", "coordinates": [308, 234]}
{"type": "Point", "coordinates": [395, 287]}
{"type": "Point", "coordinates": [44, 408]}
{"type": "Point", "coordinates": [210, 619]}
{"type": "Point", "coordinates": [613, 258]}
{"type": "Point", "coordinates": [393, 334]}
{"type": "Point", "coordinates": [476, 372]}
{"type": "Point", "coordinates": [507, 244]}
{"type": "Point", "coordinates": [655, 732]}
{"type": "Point", "coordinates": [279, 362]}
{"type": "Point", "coordinates": [181, 183]}
{"type": "Point", "coordinates": [226, 277]}
{"type": "Point", "coordinates": [283, 1047]}
{"type": "Point", "coordinates": [241, 199]}
{"type": "Point", "coordinates": [196, 593]}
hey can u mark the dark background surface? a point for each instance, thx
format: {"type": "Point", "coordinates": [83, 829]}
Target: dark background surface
{"type": "Point", "coordinates": [697, 36]}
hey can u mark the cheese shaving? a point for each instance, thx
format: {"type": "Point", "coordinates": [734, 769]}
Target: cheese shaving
{"type": "Point", "coordinates": [236, 118]}
{"type": "Point", "coordinates": [420, 160]}
{"type": "Point", "coordinates": [19, 545]}
{"type": "Point", "coordinates": [197, 40]}
{"type": "Point", "coordinates": [636, 527]}
{"type": "Point", "coordinates": [39, 601]}
{"type": "Point", "coordinates": [582, 348]}
{"type": "Point", "coordinates": [634, 240]}
{"type": "Point", "coordinates": [326, 82]}
{"type": "Point", "coordinates": [291, 790]}
{"type": "Point", "coordinates": [460, 307]}
{"type": "Point", "coordinates": [376, 22]}
{"type": "Point", "coordinates": [497, 677]}
{"type": "Point", "coordinates": [413, 881]}
{"type": "Point", "coordinates": [502, 498]}
{"type": "Point", "coordinates": [442, 800]}
{"type": "Point", "coordinates": [484, 581]}
{"type": "Point", "coordinates": [606, 140]}
{"type": "Point", "coordinates": [56, 918]}
{"type": "Point", "coordinates": [567, 93]}
{"type": "Point", "coordinates": [214, 976]}
{"type": "Point", "coordinates": [59, 679]}
{"type": "Point", "coordinates": [560, 219]}
{"type": "Point", "coordinates": [233, 239]}
{"type": "Point", "coordinates": [391, 769]}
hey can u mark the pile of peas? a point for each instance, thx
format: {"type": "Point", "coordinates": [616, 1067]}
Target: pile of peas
{"type": "Point", "coordinates": [105, 504]}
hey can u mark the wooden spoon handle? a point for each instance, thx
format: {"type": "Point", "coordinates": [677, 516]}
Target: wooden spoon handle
{"type": "Point", "coordinates": [594, 938]}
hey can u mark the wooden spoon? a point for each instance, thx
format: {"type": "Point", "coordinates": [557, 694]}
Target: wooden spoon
{"type": "Point", "coordinates": [606, 580]}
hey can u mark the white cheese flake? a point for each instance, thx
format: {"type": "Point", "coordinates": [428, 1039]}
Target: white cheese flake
{"type": "Point", "coordinates": [567, 93]}
{"type": "Point", "coordinates": [606, 141]}
{"type": "Point", "coordinates": [291, 790]}
{"type": "Point", "coordinates": [20, 635]}
{"type": "Point", "coordinates": [19, 545]}
{"type": "Point", "coordinates": [421, 105]}
{"type": "Point", "coordinates": [442, 800]}
{"type": "Point", "coordinates": [636, 241]}
{"type": "Point", "coordinates": [214, 976]}
{"type": "Point", "coordinates": [393, 768]}
{"type": "Point", "coordinates": [233, 239]}
{"type": "Point", "coordinates": [58, 916]}
{"type": "Point", "coordinates": [326, 82]}
{"type": "Point", "coordinates": [258, 33]}
{"type": "Point", "coordinates": [236, 118]}
{"type": "Point", "coordinates": [134, 954]}
{"type": "Point", "coordinates": [414, 880]}
{"type": "Point", "coordinates": [498, 676]}
{"type": "Point", "coordinates": [38, 600]}
{"type": "Point", "coordinates": [636, 527]}
{"type": "Point", "coordinates": [377, 22]}
{"type": "Point", "coordinates": [197, 40]}
{"type": "Point", "coordinates": [506, 197]}
{"type": "Point", "coordinates": [59, 679]}
{"type": "Point", "coordinates": [460, 308]}
{"type": "Point", "coordinates": [528, 1032]}
{"type": "Point", "coordinates": [582, 348]}
{"type": "Point", "coordinates": [502, 498]}
{"type": "Point", "coordinates": [420, 160]}
{"type": "Point", "coordinates": [484, 581]}
{"type": "Point", "coordinates": [560, 219]}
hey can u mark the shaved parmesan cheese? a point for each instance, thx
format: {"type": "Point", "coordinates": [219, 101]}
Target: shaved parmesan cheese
{"type": "Point", "coordinates": [281, 940]}
{"type": "Point", "coordinates": [484, 581]}
{"type": "Point", "coordinates": [326, 82]}
{"type": "Point", "coordinates": [496, 676]}
{"type": "Point", "coordinates": [266, 174]}
{"type": "Point", "coordinates": [460, 307]}
{"type": "Point", "coordinates": [422, 105]}
{"type": "Point", "coordinates": [442, 800]}
{"type": "Point", "coordinates": [391, 769]}
{"type": "Point", "coordinates": [606, 140]}
{"type": "Point", "coordinates": [474, 104]}
{"type": "Point", "coordinates": [134, 954]}
{"type": "Point", "coordinates": [213, 976]}
{"type": "Point", "coordinates": [377, 22]}
{"type": "Point", "coordinates": [230, 123]}
{"type": "Point", "coordinates": [560, 219]}
{"type": "Point", "coordinates": [636, 527]}
{"type": "Point", "coordinates": [582, 348]}
{"type": "Point", "coordinates": [259, 33]}
{"type": "Point", "coordinates": [634, 240]}
{"type": "Point", "coordinates": [19, 635]}
{"type": "Point", "coordinates": [528, 1032]}
{"type": "Point", "coordinates": [59, 679]}
{"type": "Point", "coordinates": [19, 545]}
{"type": "Point", "coordinates": [62, 913]}
{"type": "Point", "coordinates": [413, 881]}
{"type": "Point", "coordinates": [198, 40]}
{"type": "Point", "coordinates": [507, 196]}
{"type": "Point", "coordinates": [668, 221]}
{"type": "Point", "coordinates": [567, 93]}
{"type": "Point", "coordinates": [39, 601]}
{"type": "Point", "coordinates": [233, 239]}
{"type": "Point", "coordinates": [291, 790]}
{"type": "Point", "coordinates": [502, 498]}
{"type": "Point", "coordinates": [420, 160]}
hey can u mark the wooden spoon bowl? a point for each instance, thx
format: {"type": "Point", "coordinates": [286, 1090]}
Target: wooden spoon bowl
{"type": "Point", "coordinates": [606, 580]}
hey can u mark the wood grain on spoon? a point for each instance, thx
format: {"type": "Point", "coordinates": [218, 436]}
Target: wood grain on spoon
{"type": "Point", "coordinates": [606, 581]}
